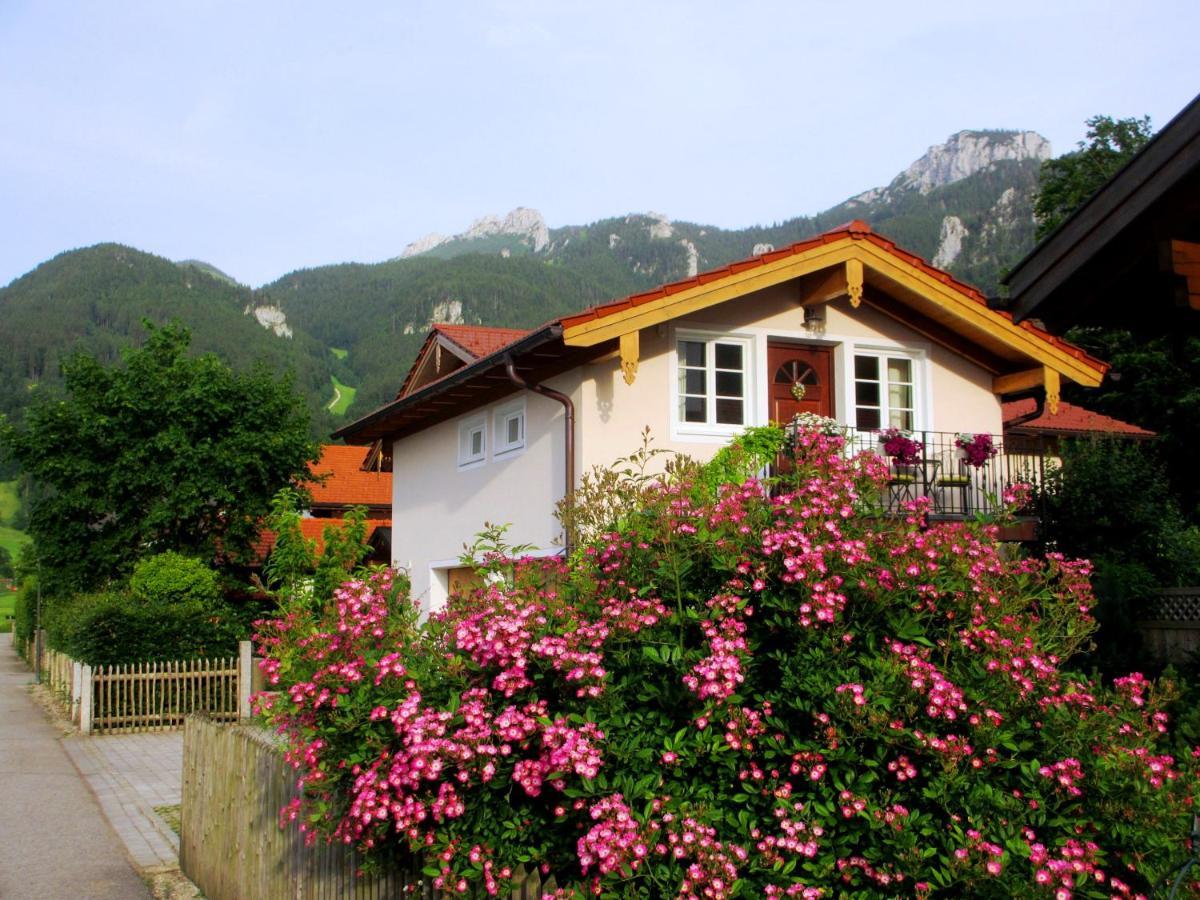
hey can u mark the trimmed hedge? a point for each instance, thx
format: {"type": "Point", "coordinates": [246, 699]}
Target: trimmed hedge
{"type": "Point", "coordinates": [111, 628]}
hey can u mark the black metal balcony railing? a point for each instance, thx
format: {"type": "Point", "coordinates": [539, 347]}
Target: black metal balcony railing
{"type": "Point", "coordinates": [940, 471]}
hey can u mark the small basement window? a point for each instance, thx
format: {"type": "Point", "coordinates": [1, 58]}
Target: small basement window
{"type": "Point", "coordinates": [510, 428]}
{"type": "Point", "coordinates": [472, 442]}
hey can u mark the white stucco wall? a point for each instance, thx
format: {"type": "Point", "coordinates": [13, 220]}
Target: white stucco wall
{"type": "Point", "coordinates": [438, 506]}
{"type": "Point", "coordinates": [953, 394]}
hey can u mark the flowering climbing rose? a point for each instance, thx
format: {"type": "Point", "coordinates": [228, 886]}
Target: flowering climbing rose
{"type": "Point", "coordinates": [758, 693]}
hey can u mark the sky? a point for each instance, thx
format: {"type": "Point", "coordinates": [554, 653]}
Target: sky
{"type": "Point", "coordinates": [265, 137]}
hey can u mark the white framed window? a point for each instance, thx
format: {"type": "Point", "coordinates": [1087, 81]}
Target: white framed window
{"type": "Point", "coordinates": [472, 442]}
{"type": "Point", "coordinates": [510, 428]}
{"type": "Point", "coordinates": [885, 390]}
{"type": "Point", "coordinates": [713, 383]}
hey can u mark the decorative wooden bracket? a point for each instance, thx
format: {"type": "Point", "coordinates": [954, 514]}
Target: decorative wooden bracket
{"type": "Point", "coordinates": [854, 281]}
{"type": "Point", "coordinates": [629, 356]}
{"type": "Point", "coordinates": [1017, 381]}
{"type": "Point", "coordinates": [1045, 377]}
{"type": "Point", "coordinates": [1053, 390]}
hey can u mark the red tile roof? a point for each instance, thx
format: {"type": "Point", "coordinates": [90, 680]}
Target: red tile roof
{"type": "Point", "coordinates": [480, 340]}
{"type": "Point", "coordinates": [856, 230]}
{"type": "Point", "coordinates": [313, 530]}
{"type": "Point", "coordinates": [347, 484]}
{"type": "Point", "coordinates": [1071, 419]}
{"type": "Point", "coordinates": [477, 341]}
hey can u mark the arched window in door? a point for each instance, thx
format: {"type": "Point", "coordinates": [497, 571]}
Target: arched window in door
{"type": "Point", "coordinates": [796, 371]}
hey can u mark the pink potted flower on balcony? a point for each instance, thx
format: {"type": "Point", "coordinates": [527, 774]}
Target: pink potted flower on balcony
{"type": "Point", "coordinates": [975, 449]}
{"type": "Point", "coordinates": [904, 450]}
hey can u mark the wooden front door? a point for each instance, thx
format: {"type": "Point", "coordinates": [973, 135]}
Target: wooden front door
{"type": "Point", "coordinates": [806, 365]}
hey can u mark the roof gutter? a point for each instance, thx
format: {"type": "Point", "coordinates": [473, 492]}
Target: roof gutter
{"type": "Point", "coordinates": [568, 435]}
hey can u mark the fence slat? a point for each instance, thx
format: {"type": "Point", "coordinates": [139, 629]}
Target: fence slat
{"type": "Point", "coordinates": [235, 782]}
{"type": "Point", "coordinates": [144, 696]}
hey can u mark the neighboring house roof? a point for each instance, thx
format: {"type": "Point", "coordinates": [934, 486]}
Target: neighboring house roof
{"type": "Point", "coordinates": [313, 530]}
{"type": "Point", "coordinates": [1071, 420]}
{"type": "Point", "coordinates": [480, 340]}
{"type": "Point", "coordinates": [344, 483]}
{"type": "Point", "coordinates": [1135, 241]}
{"type": "Point", "coordinates": [466, 343]}
{"type": "Point", "coordinates": [849, 260]}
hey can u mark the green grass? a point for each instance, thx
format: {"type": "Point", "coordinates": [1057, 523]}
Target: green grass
{"type": "Point", "coordinates": [9, 501]}
{"type": "Point", "coordinates": [343, 396]}
{"type": "Point", "coordinates": [339, 352]}
{"type": "Point", "coordinates": [12, 540]}
{"type": "Point", "coordinates": [170, 815]}
{"type": "Point", "coordinates": [8, 601]}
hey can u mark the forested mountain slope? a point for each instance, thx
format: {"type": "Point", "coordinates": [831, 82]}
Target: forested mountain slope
{"type": "Point", "coordinates": [966, 204]}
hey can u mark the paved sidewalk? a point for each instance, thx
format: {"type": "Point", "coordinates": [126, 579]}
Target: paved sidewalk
{"type": "Point", "coordinates": [54, 840]}
{"type": "Point", "coordinates": [130, 775]}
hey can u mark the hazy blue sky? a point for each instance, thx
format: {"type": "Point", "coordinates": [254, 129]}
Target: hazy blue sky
{"type": "Point", "coordinates": [269, 136]}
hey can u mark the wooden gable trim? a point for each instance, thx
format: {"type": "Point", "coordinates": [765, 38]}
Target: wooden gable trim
{"type": "Point", "coordinates": [702, 296]}
{"type": "Point", "coordinates": [854, 255]}
{"type": "Point", "coordinates": [430, 354]}
{"type": "Point", "coordinates": [998, 326]}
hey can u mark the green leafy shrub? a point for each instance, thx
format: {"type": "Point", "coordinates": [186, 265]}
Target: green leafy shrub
{"type": "Point", "coordinates": [294, 569]}
{"type": "Point", "coordinates": [747, 695]}
{"type": "Point", "coordinates": [25, 614]}
{"type": "Point", "coordinates": [1111, 502]}
{"type": "Point", "coordinates": [171, 578]}
{"type": "Point", "coordinates": [112, 627]}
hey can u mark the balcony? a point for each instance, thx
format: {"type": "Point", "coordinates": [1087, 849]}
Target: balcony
{"type": "Point", "coordinates": [938, 469]}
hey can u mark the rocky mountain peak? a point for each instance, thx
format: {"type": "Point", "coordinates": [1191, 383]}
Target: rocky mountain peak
{"type": "Point", "coordinates": [523, 223]}
{"type": "Point", "coordinates": [966, 153]}
{"type": "Point", "coordinates": [961, 156]}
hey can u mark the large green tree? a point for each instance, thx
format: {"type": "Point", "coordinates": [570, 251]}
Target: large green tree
{"type": "Point", "coordinates": [162, 451]}
{"type": "Point", "coordinates": [1066, 182]}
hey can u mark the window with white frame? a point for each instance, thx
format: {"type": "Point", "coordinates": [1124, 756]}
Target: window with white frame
{"type": "Point", "coordinates": [713, 382]}
{"type": "Point", "coordinates": [884, 391]}
{"type": "Point", "coordinates": [510, 428]}
{"type": "Point", "coordinates": [472, 441]}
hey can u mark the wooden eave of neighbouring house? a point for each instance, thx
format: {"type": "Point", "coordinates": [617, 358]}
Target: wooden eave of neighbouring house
{"type": "Point", "coordinates": [429, 359]}
{"type": "Point", "coordinates": [854, 262]}
{"type": "Point", "coordinates": [1133, 247]}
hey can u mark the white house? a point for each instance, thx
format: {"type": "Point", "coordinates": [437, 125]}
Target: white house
{"type": "Point", "coordinates": [495, 424]}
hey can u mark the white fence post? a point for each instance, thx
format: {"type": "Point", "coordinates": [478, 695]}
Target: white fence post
{"type": "Point", "coordinates": [245, 677]}
{"type": "Point", "coordinates": [85, 700]}
{"type": "Point", "coordinates": [76, 689]}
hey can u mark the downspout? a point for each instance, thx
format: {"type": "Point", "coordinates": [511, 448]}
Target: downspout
{"type": "Point", "coordinates": [1039, 407]}
{"type": "Point", "coordinates": [568, 434]}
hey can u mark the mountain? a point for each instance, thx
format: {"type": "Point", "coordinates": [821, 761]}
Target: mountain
{"type": "Point", "coordinates": [966, 204]}
{"type": "Point", "coordinates": [95, 299]}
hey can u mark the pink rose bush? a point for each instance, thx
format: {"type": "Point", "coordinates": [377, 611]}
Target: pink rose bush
{"type": "Point", "coordinates": [751, 694]}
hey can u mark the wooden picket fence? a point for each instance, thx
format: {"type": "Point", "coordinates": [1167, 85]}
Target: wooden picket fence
{"type": "Point", "coordinates": [153, 696]}
{"type": "Point", "coordinates": [231, 843]}
{"type": "Point", "coordinates": [150, 696]}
